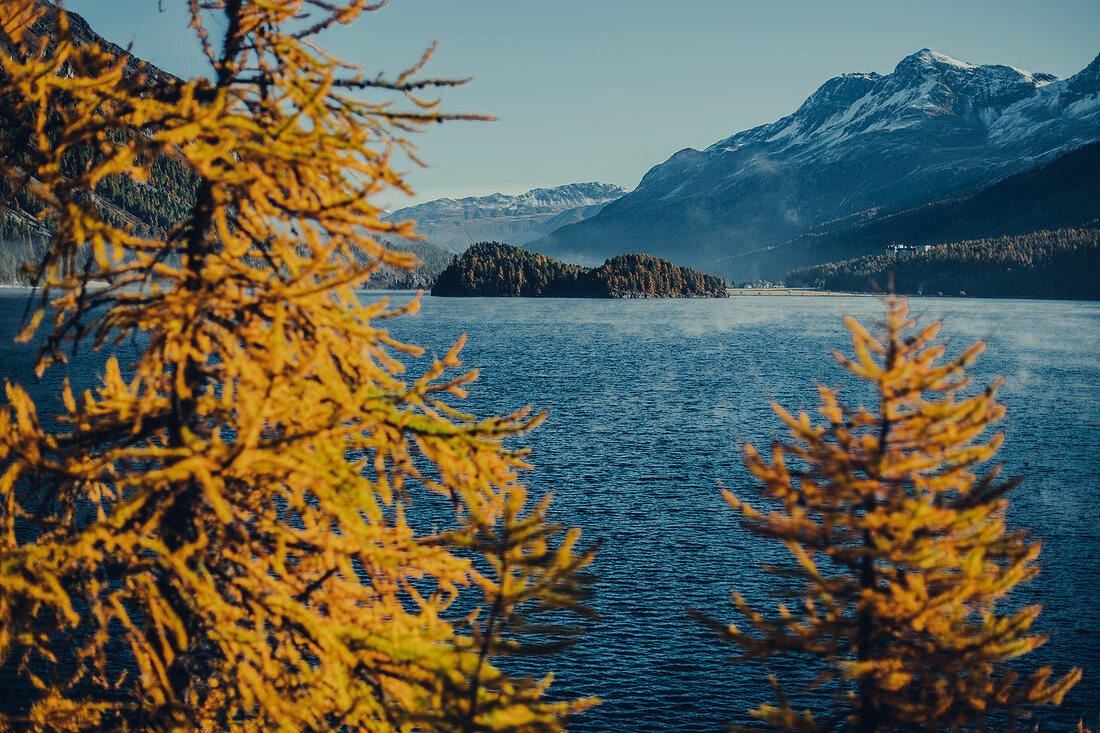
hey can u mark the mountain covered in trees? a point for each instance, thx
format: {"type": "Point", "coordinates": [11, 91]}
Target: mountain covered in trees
{"type": "Point", "coordinates": [863, 143]}
{"type": "Point", "coordinates": [433, 261]}
{"type": "Point", "coordinates": [495, 269]}
{"type": "Point", "coordinates": [1063, 263]}
{"type": "Point", "coordinates": [148, 208]}
{"type": "Point", "coordinates": [455, 224]}
{"type": "Point", "coordinates": [1064, 194]}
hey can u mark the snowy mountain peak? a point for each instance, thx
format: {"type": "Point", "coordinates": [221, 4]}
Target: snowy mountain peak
{"type": "Point", "coordinates": [536, 201]}
{"type": "Point", "coordinates": [927, 58]}
{"type": "Point", "coordinates": [925, 88]}
{"type": "Point", "coordinates": [927, 62]}
{"type": "Point", "coordinates": [936, 126]}
{"type": "Point", "coordinates": [517, 219]}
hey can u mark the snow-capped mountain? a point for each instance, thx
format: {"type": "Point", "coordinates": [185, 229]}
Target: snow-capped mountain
{"type": "Point", "coordinates": [936, 127]}
{"type": "Point", "coordinates": [455, 224]}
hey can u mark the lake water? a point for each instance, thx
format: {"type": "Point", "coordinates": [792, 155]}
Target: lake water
{"type": "Point", "coordinates": [649, 402]}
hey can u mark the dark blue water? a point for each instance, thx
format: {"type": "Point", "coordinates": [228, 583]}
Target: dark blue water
{"type": "Point", "coordinates": [649, 402]}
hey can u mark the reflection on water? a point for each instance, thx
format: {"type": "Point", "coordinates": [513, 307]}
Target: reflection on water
{"type": "Point", "coordinates": [648, 404]}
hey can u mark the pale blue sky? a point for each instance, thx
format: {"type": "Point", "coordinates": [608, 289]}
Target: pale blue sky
{"type": "Point", "coordinates": [602, 90]}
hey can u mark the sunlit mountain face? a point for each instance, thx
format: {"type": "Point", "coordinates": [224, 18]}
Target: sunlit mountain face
{"type": "Point", "coordinates": [861, 144]}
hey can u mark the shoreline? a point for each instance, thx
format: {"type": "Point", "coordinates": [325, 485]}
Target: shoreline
{"type": "Point", "coordinates": [793, 291]}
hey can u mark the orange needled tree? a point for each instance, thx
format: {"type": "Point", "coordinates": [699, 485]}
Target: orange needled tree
{"type": "Point", "coordinates": [221, 536]}
{"type": "Point", "coordinates": [900, 549]}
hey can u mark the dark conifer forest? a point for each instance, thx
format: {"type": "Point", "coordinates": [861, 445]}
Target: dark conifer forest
{"type": "Point", "coordinates": [433, 261]}
{"type": "Point", "coordinates": [495, 269]}
{"type": "Point", "coordinates": [1048, 264]}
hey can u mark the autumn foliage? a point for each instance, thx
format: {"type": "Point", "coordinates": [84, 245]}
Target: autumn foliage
{"type": "Point", "coordinates": [225, 534]}
{"type": "Point", "coordinates": [900, 550]}
{"type": "Point", "coordinates": [237, 530]}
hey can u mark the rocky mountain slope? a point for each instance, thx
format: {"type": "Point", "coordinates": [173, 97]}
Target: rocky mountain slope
{"type": "Point", "coordinates": [862, 143]}
{"type": "Point", "coordinates": [83, 35]}
{"type": "Point", "coordinates": [454, 224]}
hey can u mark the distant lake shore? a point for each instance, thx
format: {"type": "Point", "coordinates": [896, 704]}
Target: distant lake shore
{"type": "Point", "coordinates": [790, 291]}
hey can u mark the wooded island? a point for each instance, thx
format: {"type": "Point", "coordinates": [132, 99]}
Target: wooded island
{"type": "Point", "coordinates": [495, 269]}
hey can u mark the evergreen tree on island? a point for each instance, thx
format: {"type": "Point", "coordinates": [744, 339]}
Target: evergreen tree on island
{"type": "Point", "coordinates": [495, 269]}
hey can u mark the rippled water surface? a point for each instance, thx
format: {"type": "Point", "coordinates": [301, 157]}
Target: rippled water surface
{"type": "Point", "coordinates": [648, 404]}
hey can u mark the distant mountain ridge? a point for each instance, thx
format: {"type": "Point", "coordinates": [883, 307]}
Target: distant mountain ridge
{"type": "Point", "coordinates": [935, 128]}
{"type": "Point", "coordinates": [866, 159]}
{"type": "Point", "coordinates": [455, 224]}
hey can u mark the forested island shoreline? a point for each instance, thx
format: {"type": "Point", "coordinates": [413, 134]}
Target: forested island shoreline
{"type": "Point", "coordinates": [1058, 264]}
{"type": "Point", "coordinates": [501, 270]}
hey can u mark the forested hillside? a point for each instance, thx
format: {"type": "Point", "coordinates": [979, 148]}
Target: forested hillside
{"type": "Point", "coordinates": [148, 208]}
{"type": "Point", "coordinates": [433, 261]}
{"type": "Point", "coordinates": [491, 268]}
{"type": "Point", "coordinates": [1061, 263]}
{"type": "Point", "coordinates": [495, 269]}
{"type": "Point", "coordinates": [1064, 194]}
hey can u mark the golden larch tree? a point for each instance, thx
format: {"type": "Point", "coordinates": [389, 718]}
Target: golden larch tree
{"type": "Point", "coordinates": [223, 535]}
{"type": "Point", "coordinates": [900, 552]}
